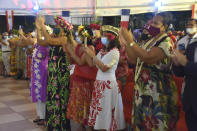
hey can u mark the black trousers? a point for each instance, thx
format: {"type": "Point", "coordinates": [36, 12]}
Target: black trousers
{"type": "Point", "coordinates": [191, 120]}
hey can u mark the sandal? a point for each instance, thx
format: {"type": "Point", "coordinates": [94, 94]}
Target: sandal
{"type": "Point", "coordinates": [41, 122]}
{"type": "Point", "coordinates": [36, 120]}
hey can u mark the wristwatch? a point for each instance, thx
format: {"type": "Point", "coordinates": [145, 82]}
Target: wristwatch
{"type": "Point", "coordinates": [131, 44]}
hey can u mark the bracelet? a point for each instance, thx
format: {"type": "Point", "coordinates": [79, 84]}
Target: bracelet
{"type": "Point", "coordinates": [131, 44]}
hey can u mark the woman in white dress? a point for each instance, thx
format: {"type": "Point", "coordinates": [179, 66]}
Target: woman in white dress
{"type": "Point", "coordinates": [106, 109]}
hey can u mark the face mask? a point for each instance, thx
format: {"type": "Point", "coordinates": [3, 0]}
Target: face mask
{"type": "Point", "coordinates": [78, 39]}
{"type": "Point", "coordinates": [191, 30]}
{"type": "Point", "coordinates": [94, 33]}
{"type": "Point", "coordinates": [42, 38]}
{"type": "Point", "coordinates": [105, 41]}
{"type": "Point", "coordinates": [56, 31]}
{"type": "Point", "coordinates": [34, 34]}
{"type": "Point", "coordinates": [76, 33]}
{"type": "Point", "coordinates": [5, 37]}
{"type": "Point", "coordinates": [152, 30]}
{"type": "Point", "coordinates": [11, 36]}
{"type": "Point", "coordinates": [144, 36]}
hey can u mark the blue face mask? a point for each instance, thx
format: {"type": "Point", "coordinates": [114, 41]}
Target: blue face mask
{"type": "Point", "coordinates": [78, 40]}
{"type": "Point", "coordinates": [105, 41]}
{"type": "Point", "coordinates": [76, 33]}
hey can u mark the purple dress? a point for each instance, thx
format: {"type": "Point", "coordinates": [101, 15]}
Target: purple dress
{"type": "Point", "coordinates": [38, 85]}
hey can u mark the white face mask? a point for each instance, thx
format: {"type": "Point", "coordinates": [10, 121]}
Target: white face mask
{"type": "Point", "coordinates": [6, 37]}
{"type": "Point", "coordinates": [94, 33]}
{"type": "Point", "coordinates": [34, 34]}
{"type": "Point", "coordinates": [191, 30]}
{"type": "Point", "coordinates": [76, 33]}
{"type": "Point", "coordinates": [42, 38]}
{"type": "Point", "coordinates": [78, 40]}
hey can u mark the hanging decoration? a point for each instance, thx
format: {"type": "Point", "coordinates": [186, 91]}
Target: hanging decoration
{"type": "Point", "coordinates": [194, 11]}
{"type": "Point", "coordinates": [125, 15]}
{"type": "Point", "coordinates": [9, 19]}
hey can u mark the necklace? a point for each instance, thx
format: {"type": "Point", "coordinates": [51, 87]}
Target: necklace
{"type": "Point", "coordinates": [140, 63]}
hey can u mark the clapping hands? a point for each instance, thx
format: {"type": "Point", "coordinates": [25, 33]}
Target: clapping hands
{"type": "Point", "coordinates": [40, 20]}
{"type": "Point", "coordinates": [37, 23]}
{"type": "Point", "coordinates": [20, 31]}
{"type": "Point", "coordinates": [89, 52]}
{"type": "Point", "coordinates": [126, 36]}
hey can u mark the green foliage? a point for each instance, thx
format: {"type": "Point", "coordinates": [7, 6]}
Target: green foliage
{"type": "Point", "coordinates": [15, 32]}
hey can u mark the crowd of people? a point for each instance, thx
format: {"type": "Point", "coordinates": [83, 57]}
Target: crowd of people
{"type": "Point", "coordinates": [16, 54]}
{"type": "Point", "coordinates": [104, 77]}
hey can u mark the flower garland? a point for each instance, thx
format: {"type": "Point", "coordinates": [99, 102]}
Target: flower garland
{"type": "Point", "coordinates": [49, 29]}
{"type": "Point", "coordinates": [95, 27]}
{"type": "Point", "coordinates": [63, 23]}
{"type": "Point", "coordinates": [110, 36]}
{"type": "Point", "coordinates": [82, 31]}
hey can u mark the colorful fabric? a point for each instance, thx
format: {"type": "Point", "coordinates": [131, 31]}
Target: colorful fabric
{"type": "Point", "coordinates": [13, 69]}
{"type": "Point", "coordinates": [123, 68]}
{"type": "Point", "coordinates": [86, 72]}
{"type": "Point", "coordinates": [181, 123]}
{"type": "Point", "coordinates": [38, 85]}
{"type": "Point", "coordinates": [1, 56]}
{"type": "Point", "coordinates": [28, 66]}
{"type": "Point", "coordinates": [127, 96]}
{"type": "Point", "coordinates": [20, 59]}
{"type": "Point", "coordinates": [57, 90]}
{"type": "Point", "coordinates": [98, 45]}
{"type": "Point", "coordinates": [79, 100]}
{"type": "Point", "coordinates": [81, 91]}
{"type": "Point", "coordinates": [106, 109]}
{"type": "Point", "coordinates": [155, 95]}
{"type": "Point", "coordinates": [6, 61]}
{"type": "Point", "coordinates": [2, 70]}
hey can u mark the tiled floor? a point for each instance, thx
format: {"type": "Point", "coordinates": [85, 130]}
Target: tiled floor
{"type": "Point", "coordinates": [16, 109]}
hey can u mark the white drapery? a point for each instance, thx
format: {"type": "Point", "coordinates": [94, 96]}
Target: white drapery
{"type": "Point", "coordinates": [92, 7]}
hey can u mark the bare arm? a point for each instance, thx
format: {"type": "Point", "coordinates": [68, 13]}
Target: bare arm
{"type": "Point", "coordinates": [150, 57]}
{"type": "Point", "coordinates": [39, 34]}
{"type": "Point", "coordinates": [21, 34]}
{"type": "Point", "coordinates": [131, 55]}
{"type": "Point", "coordinates": [89, 59]}
{"type": "Point", "coordinates": [12, 43]}
{"type": "Point", "coordinates": [39, 39]}
{"type": "Point", "coordinates": [79, 60]}
{"type": "Point", "coordinates": [50, 40]}
{"type": "Point", "coordinates": [21, 43]}
{"type": "Point", "coordinates": [3, 43]}
{"type": "Point", "coordinates": [103, 67]}
{"type": "Point", "coordinates": [100, 65]}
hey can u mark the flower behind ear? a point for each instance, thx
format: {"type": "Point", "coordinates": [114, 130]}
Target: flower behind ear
{"type": "Point", "coordinates": [110, 36]}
